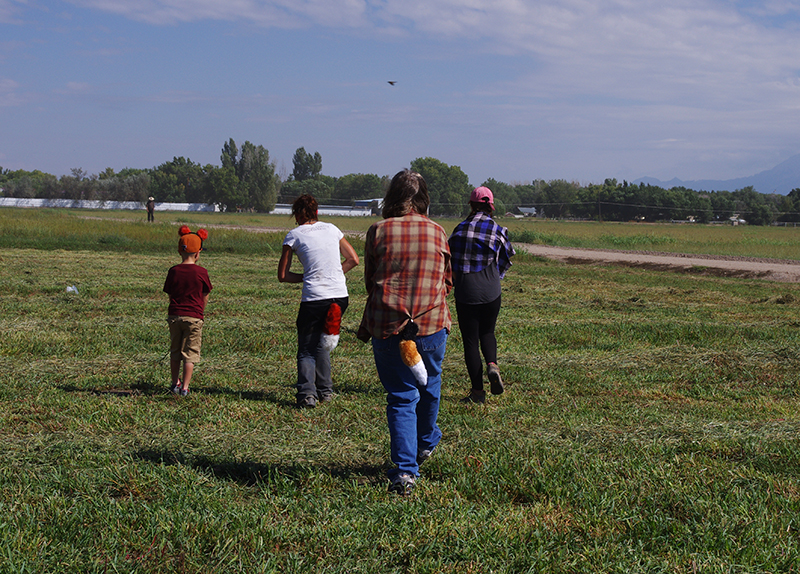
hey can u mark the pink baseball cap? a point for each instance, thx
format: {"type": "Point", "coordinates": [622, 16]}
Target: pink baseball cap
{"type": "Point", "coordinates": [482, 195]}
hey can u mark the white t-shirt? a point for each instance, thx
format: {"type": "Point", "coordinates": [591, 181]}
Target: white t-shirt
{"type": "Point", "coordinates": [317, 247]}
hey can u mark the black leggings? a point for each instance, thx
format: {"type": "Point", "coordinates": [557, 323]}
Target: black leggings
{"type": "Point", "coordinates": [476, 323]}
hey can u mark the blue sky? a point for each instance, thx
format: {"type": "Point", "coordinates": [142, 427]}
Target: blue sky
{"type": "Point", "coordinates": [511, 89]}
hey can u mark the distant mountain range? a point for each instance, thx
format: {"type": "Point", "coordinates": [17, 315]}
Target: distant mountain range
{"type": "Point", "coordinates": [782, 179]}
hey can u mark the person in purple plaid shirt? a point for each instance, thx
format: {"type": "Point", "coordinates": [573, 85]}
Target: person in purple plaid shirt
{"type": "Point", "coordinates": [481, 255]}
{"type": "Point", "coordinates": [407, 275]}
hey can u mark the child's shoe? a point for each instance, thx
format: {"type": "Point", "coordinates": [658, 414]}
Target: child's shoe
{"type": "Point", "coordinates": [184, 392]}
{"type": "Point", "coordinates": [176, 388]}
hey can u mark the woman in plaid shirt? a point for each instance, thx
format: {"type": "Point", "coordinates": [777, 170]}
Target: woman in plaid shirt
{"type": "Point", "coordinates": [407, 275]}
{"type": "Point", "coordinates": [481, 256]}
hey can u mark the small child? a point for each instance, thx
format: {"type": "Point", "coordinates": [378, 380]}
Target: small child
{"type": "Point", "coordinates": [188, 287]}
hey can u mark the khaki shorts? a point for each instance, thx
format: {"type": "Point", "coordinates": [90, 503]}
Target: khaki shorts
{"type": "Point", "coordinates": [185, 338]}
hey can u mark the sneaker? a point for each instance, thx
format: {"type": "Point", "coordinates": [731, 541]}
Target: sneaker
{"type": "Point", "coordinates": [403, 484]}
{"type": "Point", "coordinates": [494, 378]}
{"type": "Point", "coordinates": [176, 388]}
{"type": "Point", "coordinates": [184, 392]}
{"type": "Point", "coordinates": [308, 402]}
{"type": "Point", "coordinates": [424, 455]}
{"type": "Point", "coordinates": [475, 396]}
{"type": "Point", "coordinates": [326, 398]}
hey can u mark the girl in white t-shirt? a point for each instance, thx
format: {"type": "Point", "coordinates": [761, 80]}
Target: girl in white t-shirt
{"type": "Point", "coordinates": [320, 248]}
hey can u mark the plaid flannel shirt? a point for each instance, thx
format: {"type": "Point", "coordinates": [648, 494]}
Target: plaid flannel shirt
{"type": "Point", "coordinates": [478, 242]}
{"type": "Point", "coordinates": [407, 275]}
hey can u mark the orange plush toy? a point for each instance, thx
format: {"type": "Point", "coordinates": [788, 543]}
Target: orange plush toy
{"type": "Point", "coordinates": [410, 354]}
{"type": "Point", "coordinates": [332, 327]}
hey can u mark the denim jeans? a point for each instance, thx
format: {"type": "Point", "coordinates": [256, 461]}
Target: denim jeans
{"type": "Point", "coordinates": [314, 362]}
{"type": "Point", "coordinates": [411, 410]}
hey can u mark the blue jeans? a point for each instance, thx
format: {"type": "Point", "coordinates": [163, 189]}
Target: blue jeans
{"type": "Point", "coordinates": [411, 410]}
{"type": "Point", "coordinates": [313, 362]}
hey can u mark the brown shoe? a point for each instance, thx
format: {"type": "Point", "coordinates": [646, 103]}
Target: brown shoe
{"type": "Point", "coordinates": [494, 379]}
{"type": "Point", "coordinates": [475, 396]}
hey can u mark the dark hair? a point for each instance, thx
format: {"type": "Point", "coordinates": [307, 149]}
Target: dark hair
{"type": "Point", "coordinates": [305, 207]}
{"type": "Point", "coordinates": [408, 192]}
{"type": "Point", "coordinates": [483, 206]}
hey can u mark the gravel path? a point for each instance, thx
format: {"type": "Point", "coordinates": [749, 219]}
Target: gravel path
{"type": "Point", "coordinates": [748, 267]}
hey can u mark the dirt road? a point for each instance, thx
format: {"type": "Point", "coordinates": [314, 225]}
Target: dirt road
{"type": "Point", "coordinates": [769, 269]}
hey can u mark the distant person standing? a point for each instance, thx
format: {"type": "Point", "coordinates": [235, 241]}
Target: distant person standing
{"type": "Point", "coordinates": [481, 255]}
{"type": "Point", "coordinates": [407, 275]}
{"type": "Point", "coordinates": [151, 208]}
{"type": "Point", "coordinates": [188, 287]}
{"type": "Point", "coordinates": [320, 248]}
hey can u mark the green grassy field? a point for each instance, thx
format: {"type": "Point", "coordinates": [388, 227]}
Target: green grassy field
{"type": "Point", "coordinates": [650, 422]}
{"type": "Point", "coordinates": [97, 230]}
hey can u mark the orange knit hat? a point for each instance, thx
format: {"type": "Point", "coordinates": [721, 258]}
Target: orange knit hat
{"type": "Point", "coordinates": [190, 241]}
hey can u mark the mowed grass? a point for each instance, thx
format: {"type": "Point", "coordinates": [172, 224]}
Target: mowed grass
{"type": "Point", "coordinates": [650, 423]}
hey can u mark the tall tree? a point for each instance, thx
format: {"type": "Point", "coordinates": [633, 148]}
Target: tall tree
{"type": "Point", "coordinates": [227, 191]}
{"type": "Point", "coordinates": [257, 175]}
{"type": "Point", "coordinates": [790, 206]}
{"type": "Point", "coordinates": [358, 186]}
{"type": "Point", "coordinates": [21, 183]}
{"type": "Point", "coordinates": [560, 195]}
{"type": "Point", "coordinates": [257, 181]}
{"type": "Point", "coordinates": [179, 180]}
{"type": "Point", "coordinates": [230, 154]}
{"type": "Point", "coordinates": [448, 185]}
{"type": "Point", "coordinates": [78, 185]}
{"type": "Point", "coordinates": [753, 206]}
{"type": "Point", "coordinates": [306, 166]}
{"type": "Point", "coordinates": [291, 190]}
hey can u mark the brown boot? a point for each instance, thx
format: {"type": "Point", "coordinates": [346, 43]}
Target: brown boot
{"type": "Point", "coordinates": [494, 379]}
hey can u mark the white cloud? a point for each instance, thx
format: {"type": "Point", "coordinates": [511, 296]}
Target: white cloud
{"type": "Point", "coordinates": [647, 64]}
{"type": "Point", "coordinates": [649, 45]}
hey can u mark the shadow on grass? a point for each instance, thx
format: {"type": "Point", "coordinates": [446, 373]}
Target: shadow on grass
{"type": "Point", "coordinates": [135, 390]}
{"type": "Point", "coordinates": [149, 389]}
{"type": "Point", "coordinates": [249, 473]}
{"type": "Point", "coordinates": [278, 398]}
{"type": "Point", "coordinates": [368, 388]}
{"type": "Point", "coordinates": [281, 398]}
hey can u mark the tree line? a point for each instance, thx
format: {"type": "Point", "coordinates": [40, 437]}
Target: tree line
{"type": "Point", "coordinates": [615, 201]}
{"type": "Point", "coordinates": [247, 179]}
